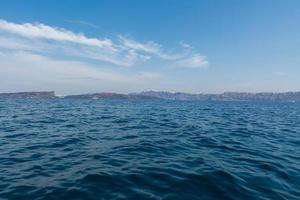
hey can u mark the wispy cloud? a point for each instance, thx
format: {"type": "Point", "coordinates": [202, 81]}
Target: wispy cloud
{"type": "Point", "coordinates": [193, 61]}
{"type": "Point", "coordinates": [185, 45]}
{"type": "Point", "coordinates": [82, 22]}
{"type": "Point", "coordinates": [149, 47]}
{"type": "Point", "coordinates": [53, 33]}
{"type": "Point", "coordinates": [124, 51]}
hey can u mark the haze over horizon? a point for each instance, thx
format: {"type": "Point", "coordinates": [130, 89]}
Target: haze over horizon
{"type": "Point", "coordinates": [72, 47]}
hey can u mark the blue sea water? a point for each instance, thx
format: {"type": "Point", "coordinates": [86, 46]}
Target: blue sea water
{"type": "Point", "coordinates": [148, 149]}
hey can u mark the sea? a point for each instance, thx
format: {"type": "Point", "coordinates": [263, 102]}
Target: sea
{"type": "Point", "coordinates": [149, 149]}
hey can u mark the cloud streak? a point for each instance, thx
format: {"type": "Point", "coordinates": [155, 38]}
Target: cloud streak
{"type": "Point", "coordinates": [47, 32]}
{"type": "Point", "coordinates": [82, 22]}
{"type": "Point", "coordinates": [194, 61]}
{"type": "Point", "coordinates": [124, 51]}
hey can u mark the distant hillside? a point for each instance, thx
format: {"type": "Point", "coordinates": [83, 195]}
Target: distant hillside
{"type": "Point", "coordinates": [43, 94]}
{"type": "Point", "coordinates": [109, 96]}
{"type": "Point", "coordinates": [227, 96]}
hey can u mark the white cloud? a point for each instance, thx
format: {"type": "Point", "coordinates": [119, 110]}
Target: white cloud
{"type": "Point", "coordinates": [193, 61]}
{"type": "Point", "coordinates": [149, 47]}
{"type": "Point", "coordinates": [185, 45]}
{"type": "Point", "coordinates": [36, 56]}
{"type": "Point", "coordinates": [52, 33]}
{"type": "Point", "coordinates": [45, 39]}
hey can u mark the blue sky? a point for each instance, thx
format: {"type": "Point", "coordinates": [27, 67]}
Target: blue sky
{"type": "Point", "coordinates": [130, 46]}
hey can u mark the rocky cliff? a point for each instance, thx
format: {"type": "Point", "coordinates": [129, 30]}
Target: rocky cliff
{"type": "Point", "coordinates": [48, 94]}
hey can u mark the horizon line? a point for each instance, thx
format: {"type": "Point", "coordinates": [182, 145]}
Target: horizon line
{"type": "Point", "coordinates": [137, 93]}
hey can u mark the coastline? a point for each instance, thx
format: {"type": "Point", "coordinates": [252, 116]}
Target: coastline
{"type": "Point", "coordinates": [226, 96]}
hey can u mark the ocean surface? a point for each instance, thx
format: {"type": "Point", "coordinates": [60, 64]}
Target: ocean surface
{"type": "Point", "coordinates": [148, 149]}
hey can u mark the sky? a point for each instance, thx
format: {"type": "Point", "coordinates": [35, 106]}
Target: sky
{"type": "Point", "coordinates": [195, 46]}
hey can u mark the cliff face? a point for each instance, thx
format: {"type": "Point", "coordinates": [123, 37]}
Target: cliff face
{"type": "Point", "coordinates": [109, 96]}
{"type": "Point", "coordinates": [50, 94]}
{"type": "Point", "coordinates": [227, 96]}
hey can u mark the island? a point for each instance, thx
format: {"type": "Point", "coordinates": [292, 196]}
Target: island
{"type": "Point", "coordinates": [44, 94]}
{"type": "Point", "coordinates": [226, 96]}
{"type": "Point", "coordinates": [107, 95]}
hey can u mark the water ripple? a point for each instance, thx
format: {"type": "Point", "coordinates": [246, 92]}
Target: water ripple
{"type": "Point", "coordinates": [150, 149]}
